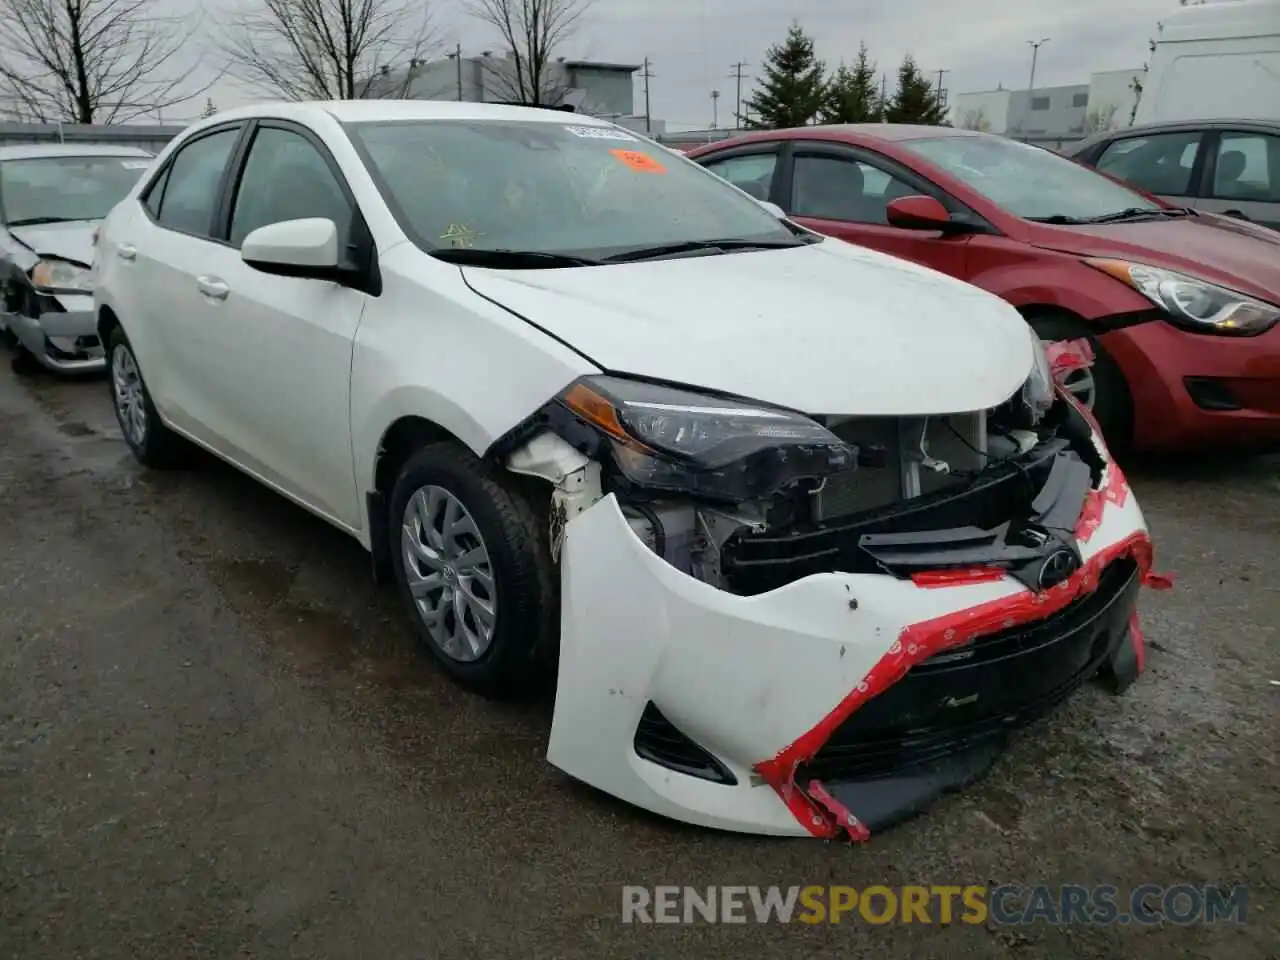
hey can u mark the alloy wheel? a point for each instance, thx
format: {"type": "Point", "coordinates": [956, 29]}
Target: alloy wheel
{"type": "Point", "coordinates": [449, 573]}
{"type": "Point", "coordinates": [130, 401]}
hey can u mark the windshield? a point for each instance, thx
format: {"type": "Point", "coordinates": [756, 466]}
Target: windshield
{"type": "Point", "coordinates": [1028, 181]}
{"type": "Point", "coordinates": [53, 189]}
{"type": "Point", "coordinates": [585, 191]}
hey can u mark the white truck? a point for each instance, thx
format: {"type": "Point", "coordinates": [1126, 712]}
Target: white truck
{"type": "Point", "coordinates": [1215, 60]}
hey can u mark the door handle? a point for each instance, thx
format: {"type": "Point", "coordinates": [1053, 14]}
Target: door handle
{"type": "Point", "coordinates": [127, 251]}
{"type": "Point", "coordinates": [213, 287]}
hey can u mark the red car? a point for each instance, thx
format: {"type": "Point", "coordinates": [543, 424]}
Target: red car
{"type": "Point", "coordinates": [1180, 307]}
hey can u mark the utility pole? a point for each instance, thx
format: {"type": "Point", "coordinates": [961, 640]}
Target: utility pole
{"type": "Point", "coordinates": [1035, 52]}
{"type": "Point", "coordinates": [737, 110]}
{"type": "Point", "coordinates": [457, 56]}
{"type": "Point", "coordinates": [648, 119]}
{"type": "Point", "coordinates": [941, 95]}
{"type": "Point", "coordinates": [715, 109]}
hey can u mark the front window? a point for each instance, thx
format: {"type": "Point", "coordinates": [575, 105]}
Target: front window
{"type": "Point", "coordinates": [560, 188]}
{"type": "Point", "coordinates": [56, 189]}
{"type": "Point", "coordinates": [1028, 181]}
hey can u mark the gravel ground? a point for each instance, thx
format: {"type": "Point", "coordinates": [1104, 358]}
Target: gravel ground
{"type": "Point", "coordinates": [218, 740]}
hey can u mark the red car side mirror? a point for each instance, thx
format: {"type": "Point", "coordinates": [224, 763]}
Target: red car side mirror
{"type": "Point", "coordinates": [917, 212]}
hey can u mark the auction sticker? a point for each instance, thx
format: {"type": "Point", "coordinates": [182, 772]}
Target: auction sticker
{"type": "Point", "coordinates": [639, 161]}
{"type": "Point", "coordinates": [602, 133]}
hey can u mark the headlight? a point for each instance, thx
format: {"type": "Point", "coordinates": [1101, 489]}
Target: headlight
{"type": "Point", "coordinates": [1194, 304]}
{"type": "Point", "coordinates": [663, 438]}
{"type": "Point", "coordinates": [60, 275]}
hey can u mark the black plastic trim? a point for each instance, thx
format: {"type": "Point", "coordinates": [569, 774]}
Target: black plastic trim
{"type": "Point", "coordinates": [659, 741]}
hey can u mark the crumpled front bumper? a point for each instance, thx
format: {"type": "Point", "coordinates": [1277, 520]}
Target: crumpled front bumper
{"type": "Point", "coordinates": [63, 328]}
{"type": "Point", "coordinates": [763, 682]}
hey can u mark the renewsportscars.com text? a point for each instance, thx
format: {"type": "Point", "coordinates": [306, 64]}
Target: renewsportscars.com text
{"type": "Point", "coordinates": [1007, 904]}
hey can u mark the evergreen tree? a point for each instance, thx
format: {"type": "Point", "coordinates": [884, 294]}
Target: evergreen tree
{"type": "Point", "coordinates": [793, 87]}
{"type": "Point", "coordinates": [852, 95]}
{"type": "Point", "coordinates": [915, 100]}
{"type": "Point", "coordinates": [209, 108]}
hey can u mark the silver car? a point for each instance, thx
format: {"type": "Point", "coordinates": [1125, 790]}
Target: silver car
{"type": "Point", "coordinates": [1230, 167]}
{"type": "Point", "coordinates": [51, 199]}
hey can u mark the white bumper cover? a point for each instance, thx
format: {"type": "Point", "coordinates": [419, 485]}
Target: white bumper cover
{"type": "Point", "coordinates": [762, 681]}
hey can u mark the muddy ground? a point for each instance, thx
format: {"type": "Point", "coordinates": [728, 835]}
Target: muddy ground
{"type": "Point", "coordinates": [218, 740]}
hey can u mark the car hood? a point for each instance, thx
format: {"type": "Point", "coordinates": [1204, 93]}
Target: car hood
{"type": "Point", "coordinates": [66, 241]}
{"type": "Point", "coordinates": [1222, 250]}
{"type": "Point", "coordinates": [828, 328]}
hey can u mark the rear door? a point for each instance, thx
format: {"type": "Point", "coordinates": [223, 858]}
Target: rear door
{"type": "Point", "coordinates": [845, 192]}
{"type": "Point", "coordinates": [1166, 164]}
{"type": "Point", "coordinates": [1242, 176]}
{"type": "Point", "coordinates": [166, 249]}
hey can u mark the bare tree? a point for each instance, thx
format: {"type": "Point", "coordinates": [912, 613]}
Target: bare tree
{"type": "Point", "coordinates": [975, 119]}
{"type": "Point", "coordinates": [1101, 117]}
{"type": "Point", "coordinates": [530, 32]}
{"type": "Point", "coordinates": [92, 61]}
{"type": "Point", "coordinates": [328, 49]}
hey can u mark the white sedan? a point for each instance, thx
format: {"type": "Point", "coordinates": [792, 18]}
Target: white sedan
{"type": "Point", "coordinates": [804, 529]}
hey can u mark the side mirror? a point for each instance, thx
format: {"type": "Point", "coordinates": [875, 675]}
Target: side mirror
{"type": "Point", "coordinates": [918, 212]}
{"type": "Point", "coordinates": [295, 248]}
{"type": "Point", "coordinates": [773, 208]}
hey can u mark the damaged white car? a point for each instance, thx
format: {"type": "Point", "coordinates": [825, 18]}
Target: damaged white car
{"type": "Point", "coordinates": [51, 199]}
{"type": "Point", "coordinates": [804, 529]}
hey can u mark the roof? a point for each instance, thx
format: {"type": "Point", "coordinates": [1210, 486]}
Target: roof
{"type": "Point", "coordinates": [594, 65]}
{"type": "Point", "coordinates": [43, 151]}
{"type": "Point", "coordinates": [1175, 126]}
{"type": "Point", "coordinates": [363, 111]}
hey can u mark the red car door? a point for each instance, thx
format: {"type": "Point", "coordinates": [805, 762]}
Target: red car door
{"type": "Point", "coordinates": [844, 193]}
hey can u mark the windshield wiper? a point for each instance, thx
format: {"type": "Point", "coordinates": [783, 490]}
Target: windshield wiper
{"type": "Point", "coordinates": [1140, 213]}
{"type": "Point", "coordinates": [1129, 213]}
{"type": "Point", "coordinates": [41, 221]}
{"type": "Point", "coordinates": [693, 246]}
{"type": "Point", "coordinates": [510, 259]}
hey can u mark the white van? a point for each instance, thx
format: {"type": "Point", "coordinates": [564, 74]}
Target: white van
{"type": "Point", "coordinates": [1213, 61]}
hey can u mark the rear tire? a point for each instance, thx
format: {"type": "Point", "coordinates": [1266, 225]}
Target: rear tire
{"type": "Point", "coordinates": [151, 442]}
{"type": "Point", "coordinates": [470, 549]}
{"type": "Point", "coordinates": [1112, 404]}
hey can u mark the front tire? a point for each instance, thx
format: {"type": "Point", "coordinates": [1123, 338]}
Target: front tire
{"type": "Point", "coordinates": [1102, 388]}
{"type": "Point", "coordinates": [471, 555]}
{"type": "Point", "coordinates": [23, 362]}
{"type": "Point", "coordinates": [151, 442]}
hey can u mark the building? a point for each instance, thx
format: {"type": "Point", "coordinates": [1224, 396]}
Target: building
{"type": "Point", "coordinates": [599, 89]}
{"type": "Point", "coordinates": [1052, 115]}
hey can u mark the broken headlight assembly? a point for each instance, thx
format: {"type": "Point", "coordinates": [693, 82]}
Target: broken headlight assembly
{"type": "Point", "coordinates": [1026, 408]}
{"type": "Point", "coordinates": [1195, 305]}
{"type": "Point", "coordinates": [667, 439]}
{"type": "Point", "coordinates": [60, 276]}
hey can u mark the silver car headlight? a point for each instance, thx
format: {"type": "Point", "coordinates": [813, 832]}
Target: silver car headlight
{"type": "Point", "coordinates": [61, 276]}
{"type": "Point", "coordinates": [1191, 303]}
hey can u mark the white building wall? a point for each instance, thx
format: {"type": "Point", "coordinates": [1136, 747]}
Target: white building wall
{"type": "Point", "coordinates": [986, 110]}
{"type": "Point", "coordinates": [1112, 98]}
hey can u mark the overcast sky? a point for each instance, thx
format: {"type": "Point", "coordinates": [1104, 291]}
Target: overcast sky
{"type": "Point", "coordinates": [693, 43]}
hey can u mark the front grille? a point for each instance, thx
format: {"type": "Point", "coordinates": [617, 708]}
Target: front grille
{"type": "Point", "coordinates": [962, 699]}
{"type": "Point", "coordinates": [658, 741]}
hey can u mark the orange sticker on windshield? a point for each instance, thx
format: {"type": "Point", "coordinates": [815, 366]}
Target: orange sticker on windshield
{"type": "Point", "coordinates": [639, 161]}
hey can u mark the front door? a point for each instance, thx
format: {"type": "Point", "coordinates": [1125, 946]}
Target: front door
{"type": "Point", "coordinates": [278, 349]}
{"type": "Point", "coordinates": [1243, 177]}
{"type": "Point", "coordinates": [846, 195]}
